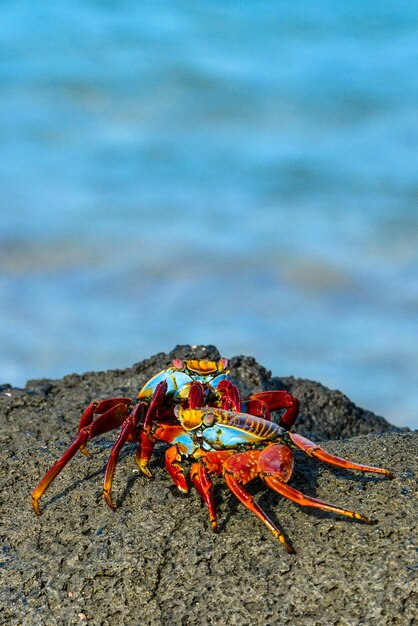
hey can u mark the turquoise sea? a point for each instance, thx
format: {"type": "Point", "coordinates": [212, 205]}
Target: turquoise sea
{"type": "Point", "coordinates": [237, 173]}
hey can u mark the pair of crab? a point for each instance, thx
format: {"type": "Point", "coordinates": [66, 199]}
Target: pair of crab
{"type": "Point", "coordinates": [195, 408]}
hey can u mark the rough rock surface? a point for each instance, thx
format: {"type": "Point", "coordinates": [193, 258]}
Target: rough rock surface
{"type": "Point", "coordinates": [156, 561]}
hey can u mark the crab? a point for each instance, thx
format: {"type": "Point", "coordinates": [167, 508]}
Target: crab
{"type": "Point", "coordinates": [241, 447]}
{"type": "Point", "coordinates": [195, 408]}
{"type": "Point", "coordinates": [191, 383]}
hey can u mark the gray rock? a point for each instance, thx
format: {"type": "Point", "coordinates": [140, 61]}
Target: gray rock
{"type": "Point", "coordinates": [156, 561]}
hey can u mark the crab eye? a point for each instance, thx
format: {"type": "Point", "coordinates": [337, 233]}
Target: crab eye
{"type": "Point", "coordinates": [208, 419]}
{"type": "Point", "coordinates": [223, 364]}
{"type": "Point", "coordinates": [177, 410]}
{"type": "Point", "coordinates": [178, 364]}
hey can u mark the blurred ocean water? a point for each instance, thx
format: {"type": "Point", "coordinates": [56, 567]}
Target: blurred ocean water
{"type": "Point", "coordinates": [243, 174]}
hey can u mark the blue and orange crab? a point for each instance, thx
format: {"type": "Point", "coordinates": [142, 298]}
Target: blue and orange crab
{"type": "Point", "coordinates": [195, 408]}
{"type": "Point", "coordinates": [192, 383]}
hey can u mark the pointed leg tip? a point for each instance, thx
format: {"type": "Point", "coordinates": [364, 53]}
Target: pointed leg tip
{"type": "Point", "coordinates": [109, 501]}
{"type": "Point", "coordinates": [389, 475]}
{"type": "Point", "coordinates": [286, 544]}
{"type": "Point", "coordinates": [366, 520]}
{"type": "Point", "coordinates": [84, 451]}
{"type": "Point", "coordinates": [146, 472]}
{"type": "Point", "coordinates": [215, 527]}
{"type": "Point", "coordinates": [36, 507]}
{"type": "Point", "coordinates": [181, 484]}
{"type": "Point", "coordinates": [289, 547]}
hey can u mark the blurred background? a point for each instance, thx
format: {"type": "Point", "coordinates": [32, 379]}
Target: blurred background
{"type": "Point", "coordinates": [237, 173]}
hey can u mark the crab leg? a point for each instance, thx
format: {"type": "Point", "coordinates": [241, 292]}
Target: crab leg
{"type": "Point", "coordinates": [275, 468]}
{"type": "Point", "coordinates": [181, 445]}
{"type": "Point", "coordinates": [146, 440]}
{"type": "Point", "coordinates": [172, 464]}
{"type": "Point", "coordinates": [110, 419]}
{"type": "Point", "coordinates": [100, 408]}
{"type": "Point", "coordinates": [157, 400]}
{"type": "Point", "coordinates": [273, 401]}
{"type": "Point", "coordinates": [146, 443]}
{"type": "Point", "coordinates": [97, 408]}
{"type": "Point", "coordinates": [257, 408]}
{"type": "Point", "coordinates": [312, 449]}
{"type": "Point", "coordinates": [297, 496]}
{"type": "Point", "coordinates": [210, 463]}
{"type": "Point", "coordinates": [128, 428]}
{"type": "Point", "coordinates": [203, 484]}
{"type": "Point", "coordinates": [169, 433]}
{"type": "Point", "coordinates": [239, 469]}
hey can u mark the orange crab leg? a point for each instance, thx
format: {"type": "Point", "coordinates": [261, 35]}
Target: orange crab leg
{"type": "Point", "coordinates": [315, 451]}
{"type": "Point", "coordinates": [297, 496]}
{"type": "Point", "coordinates": [275, 468]}
{"type": "Point", "coordinates": [239, 469]}
{"type": "Point", "coordinates": [273, 401]}
{"type": "Point", "coordinates": [210, 463]}
{"type": "Point", "coordinates": [147, 440]}
{"type": "Point", "coordinates": [146, 443]}
{"type": "Point", "coordinates": [203, 484]}
{"type": "Point", "coordinates": [107, 421]}
{"type": "Point", "coordinates": [174, 468]}
{"type": "Point", "coordinates": [257, 408]}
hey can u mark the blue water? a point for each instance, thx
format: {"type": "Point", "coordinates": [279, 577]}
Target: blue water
{"type": "Point", "coordinates": [236, 173]}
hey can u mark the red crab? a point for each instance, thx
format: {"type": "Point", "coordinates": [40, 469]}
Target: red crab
{"type": "Point", "coordinates": [196, 409]}
{"type": "Point", "coordinates": [242, 447]}
{"type": "Point", "coordinates": [190, 383]}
